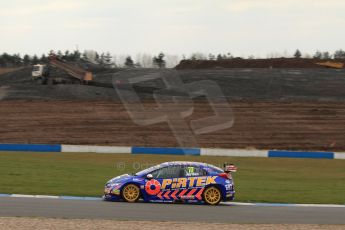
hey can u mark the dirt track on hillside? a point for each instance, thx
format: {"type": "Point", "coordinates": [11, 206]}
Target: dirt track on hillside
{"type": "Point", "coordinates": [262, 125]}
{"type": "Point", "coordinates": [254, 63]}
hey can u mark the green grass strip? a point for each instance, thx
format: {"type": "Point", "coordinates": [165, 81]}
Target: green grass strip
{"type": "Point", "coordinates": [257, 179]}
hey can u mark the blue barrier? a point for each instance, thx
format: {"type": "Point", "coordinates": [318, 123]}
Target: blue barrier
{"type": "Point", "coordinates": [171, 151]}
{"type": "Point", "coordinates": [168, 151]}
{"type": "Point", "coordinates": [292, 154]}
{"type": "Point", "coordinates": [30, 147]}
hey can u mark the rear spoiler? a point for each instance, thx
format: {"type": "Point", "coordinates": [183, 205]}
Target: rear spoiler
{"type": "Point", "coordinates": [229, 168]}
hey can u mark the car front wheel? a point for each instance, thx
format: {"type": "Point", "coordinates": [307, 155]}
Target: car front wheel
{"type": "Point", "coordinates": [131, 193]}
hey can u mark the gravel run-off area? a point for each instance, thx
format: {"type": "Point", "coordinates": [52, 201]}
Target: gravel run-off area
{"type": "Point", "coordinates": [22, 223]}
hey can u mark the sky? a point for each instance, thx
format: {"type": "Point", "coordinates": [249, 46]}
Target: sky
{"type": "Point", "coordinates": [241, 27]}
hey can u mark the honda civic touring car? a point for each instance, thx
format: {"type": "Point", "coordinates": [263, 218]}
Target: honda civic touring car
{"type": "Point", "coordinates": [187, 182]}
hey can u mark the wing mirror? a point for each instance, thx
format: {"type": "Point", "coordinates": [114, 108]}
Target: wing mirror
{"type": "Point", "coordinates": [149, 176]}
{"type": "Point", "coordinates": [229, 168]}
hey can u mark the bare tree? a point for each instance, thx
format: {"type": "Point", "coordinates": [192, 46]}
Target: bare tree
{"type": "Point", "coordinates": [339, 54]}
{"type": "Point", "coordinates": [297, 54]}
{"type": "Point", "coordinates": [129, 62]}
{"type": "Point", "coordinates": [326, 55]}
{"type": "Point", "coordinates": [159, 61]}
{"type": "Point", "coordinates": [317, 55]}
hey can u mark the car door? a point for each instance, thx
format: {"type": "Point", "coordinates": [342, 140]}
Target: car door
{"type": "Point", "coordinates": [166, 183]}
{"type": "Point", "coordinates": [196, 178]}
{"type": "Point", "coordinates": [176, 182]}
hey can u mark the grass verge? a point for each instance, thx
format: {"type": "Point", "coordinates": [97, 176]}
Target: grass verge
{"type": "Point", "coordinates": [258, 179]}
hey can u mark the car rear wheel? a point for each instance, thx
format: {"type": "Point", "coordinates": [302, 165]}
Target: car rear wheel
{"type": "Point", "coordinates": [131, 193]}
{"type": "Point", "coordinates": [212, 195]}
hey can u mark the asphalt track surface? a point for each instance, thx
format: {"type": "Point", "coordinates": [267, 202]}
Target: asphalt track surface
{"type": "Point", "coordinates": [223, 213]}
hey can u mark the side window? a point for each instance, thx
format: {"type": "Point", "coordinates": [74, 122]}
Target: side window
{"type": "Point", "coordinates": [210, 169]}
{"type": "Point", "coordinates": [194, 171]}
{"type": "Point", "coordinates": [168, 172]}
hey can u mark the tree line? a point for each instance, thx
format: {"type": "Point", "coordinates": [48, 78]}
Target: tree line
{"type": "Point", "coordinates": [338, 54]}
{"type": "Point", "coordinates": [142, 60]}
{"type": "Point", "coordinates": [102, 59]}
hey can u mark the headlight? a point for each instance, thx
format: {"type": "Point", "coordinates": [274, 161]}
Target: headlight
{"type": "Point", "coordinates": [113, 184]}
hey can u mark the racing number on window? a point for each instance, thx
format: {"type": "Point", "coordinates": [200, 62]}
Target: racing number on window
{"type": "Point", "coordinates": [190, 169]}
{"type": "Point", "coordinates": [194, 171]}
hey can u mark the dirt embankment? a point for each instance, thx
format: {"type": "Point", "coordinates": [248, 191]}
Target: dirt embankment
{"type": "Point", "coordinates": [252, 63]}
{"type": "Point", "coordinates": [299, 109]}
{"type": "Point", "coordinates": [261, 125]}
{"type": "Point", "coordinates": [236, 84]}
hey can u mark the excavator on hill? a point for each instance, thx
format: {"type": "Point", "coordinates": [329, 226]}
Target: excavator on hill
{"type": "Point", "coordinates": [58, 71]}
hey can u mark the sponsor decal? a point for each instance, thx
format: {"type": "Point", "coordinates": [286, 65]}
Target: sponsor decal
{"type": "Point", "coordinates": [181, 194]}
{"type": "Point", "coordinates": [152, 187]}
{"type": "Point", "coordinates": [187, 197]}
{"type": "Point", "coordinates": [190, 182]}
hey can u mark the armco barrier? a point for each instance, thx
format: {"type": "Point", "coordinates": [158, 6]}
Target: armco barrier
{"type": "Point", "coordinates": [170, 151]}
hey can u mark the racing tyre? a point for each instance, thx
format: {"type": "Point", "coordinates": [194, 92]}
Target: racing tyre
{"type": "Point", "coordinates": [212, 195]}
{"type": "Point", "coordinates": [130, 193]}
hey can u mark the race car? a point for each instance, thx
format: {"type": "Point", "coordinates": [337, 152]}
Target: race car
{"type": "Point", "coordinates": [187, 182]}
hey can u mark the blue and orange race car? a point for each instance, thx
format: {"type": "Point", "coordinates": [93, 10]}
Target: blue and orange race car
{"type": "Point", "coordinates": [189, 182]}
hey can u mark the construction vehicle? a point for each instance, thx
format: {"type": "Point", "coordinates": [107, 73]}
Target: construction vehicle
{"type": "Point", "coordinates": [331, 64]}
{"type": "Point", "coordinates": [58, 71]}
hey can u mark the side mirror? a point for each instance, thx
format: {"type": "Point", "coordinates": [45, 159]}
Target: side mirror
{"type": "Point", "coordinates": [229, 168]}
{"type": "Point", "coordinates": [149, 176]}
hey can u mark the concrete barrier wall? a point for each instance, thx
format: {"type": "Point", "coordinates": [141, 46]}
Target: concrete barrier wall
{"type": "Point", "coordinates": [339, 156]}
{"type": "Point", "coordinates": [233, 152]}
{"type": "Point", "coordinates": [171, 151]}
{"type": "Point", "coordinates": [94, 149]}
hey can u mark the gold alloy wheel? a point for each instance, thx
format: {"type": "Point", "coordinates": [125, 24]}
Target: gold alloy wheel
{"type": "Point", "coordinates": [212, 195]}
{"type": "Point", "coordinates": [131, 193]}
